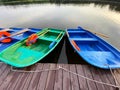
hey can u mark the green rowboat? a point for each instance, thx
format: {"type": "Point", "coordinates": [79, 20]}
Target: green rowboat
{"type": "Point", "coordinates": [20, 55]}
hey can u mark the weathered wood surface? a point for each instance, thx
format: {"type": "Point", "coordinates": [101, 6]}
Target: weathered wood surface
{"type": "Point", "coordinates": [117, 75]}
{"type": "Point", "coordinates": [56, 79]}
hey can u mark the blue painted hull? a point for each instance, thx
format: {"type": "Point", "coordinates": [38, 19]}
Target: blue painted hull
{"type": "Point", "coordinates": [93, 49]}
{"type": "Point", "coordinates": [17, 37]}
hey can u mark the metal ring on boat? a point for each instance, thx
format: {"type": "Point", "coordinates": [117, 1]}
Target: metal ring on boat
{"type": "Point", "coordinates": [31, 39]}
{"type": "Point", "coordinates": [6, 37]}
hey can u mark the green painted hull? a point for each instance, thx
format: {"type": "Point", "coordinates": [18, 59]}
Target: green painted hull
{"type": "Point", "coordinates": [20, 55]}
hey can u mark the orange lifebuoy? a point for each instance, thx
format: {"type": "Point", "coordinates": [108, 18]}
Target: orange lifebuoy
{"type": "Point", "coordinates": [31, 39]}
{"type": "Point", "coordinates": [75, 45]}
{"type": "Point", "coordinates": [4, 34]}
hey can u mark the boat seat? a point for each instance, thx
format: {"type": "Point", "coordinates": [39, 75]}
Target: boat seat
{"type": "Point", "coordinates": [55, 31]}
{"type": "Point", "coordinates": [100, 57]}
{"type": "Point", "coordinates": [77, 31]}
{"type": "Point", "coordinates": [46, 39]}
{"type": "Point", "coordinates": [73, 29]}
{"type": "Point", "coordinates": [84, 39]}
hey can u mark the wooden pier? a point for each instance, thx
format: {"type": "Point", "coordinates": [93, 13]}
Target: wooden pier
{"type": "Point", "coordinates": [54, 78]}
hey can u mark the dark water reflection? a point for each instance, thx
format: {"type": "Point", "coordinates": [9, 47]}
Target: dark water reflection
{"type": "Point", "coordinates": [113, 4]}
{"type": "Point", "coordinates": [97, 16]}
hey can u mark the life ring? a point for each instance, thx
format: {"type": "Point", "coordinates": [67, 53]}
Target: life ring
{"type": "Point", "coordinates": [6, 37]}
{"type": "Point", "coordinates": [31, 39]}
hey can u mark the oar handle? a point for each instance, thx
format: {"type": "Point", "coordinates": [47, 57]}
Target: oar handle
{"type": "Point", "coordinates": [94, 32]}
{"type": "Point", "coordinates": [101, 35]}
{"type": "Point", "coordinates": [58, 35]}
{"type": "Point", "coordinates": [5, 30]}
{"type": "Point", "coordinates": [42, 34]}
{"type": "Point", "coordinates": [22, 31]}
{"type": "Point", "coordinates": [98, 33]}
{"type": "Point", "coordinates": [53, 42]}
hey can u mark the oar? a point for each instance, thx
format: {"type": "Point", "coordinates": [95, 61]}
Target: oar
{"type": "Point", "coordinates": [32, 38]}
{"type": "Point", "coordinates": [75, 45]}
{"type": "Point", "coordinates": [53, 43]}
{"type": "Point", "coordinates": [42, 34]}
{"type": "Point", "coordinates": [96, 33]}
{"type": "Point", "coordinates": [73, 42]}
{"type": "Point", "coordinates": [22, 31]}
{"type": "Point", "coordinates": [14, 34]}
{"type": "Point", "coordinates": [5, 30]}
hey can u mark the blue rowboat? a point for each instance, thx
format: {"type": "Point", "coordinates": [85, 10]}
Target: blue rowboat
{"type": "Point", "coordinates": [93, 49]}
{"type": "Point", "coordinates": [18, 37]}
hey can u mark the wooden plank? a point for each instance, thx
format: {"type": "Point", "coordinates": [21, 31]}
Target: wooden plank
{"type": "Point", "coordinates": [24, 80]}
{"type": "Point", "coordinates": [4, 74]}
{"type": "Point", "coordinates": [51, 78]}
{"type": "Point", "coordinates": [2, 68]}
{"type": "Point", "coordinates": [104, 78]}
{"type": "Point", "coordinates": [35, 79]}
{"type": "Point", "coordinates": [13, 81]}
{"type": "Point", "coordinates": [27, 83]}
{"type": "Point", "coordinates": [74, 78]}
{"type": "Point", "coordinates": [117, 75]}
{"type": "Point", "coordinates": [82, 82]}
{"type": "Point", "coordinates": [1, 63]}
{"type": "Point", "coordinates": [58, 79]}
{"type": "Point", "coordinates": [96, 76]}
{"type": "Point", "coordinates": [21, 82]}
{"type": "Point", "coordinates": [111, 79]}
{"type": "Point", "coordinates": [66, 78]}
{"type": "Point", "coordinates": [8, 79]}
{"type": "Point", "coordinates": [91, 85]}
{"type": "Point", "coordinates": [43, 78]}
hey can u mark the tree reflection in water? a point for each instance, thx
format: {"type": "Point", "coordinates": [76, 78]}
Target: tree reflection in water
{"type": "Point", "coordinates": [113, 4]}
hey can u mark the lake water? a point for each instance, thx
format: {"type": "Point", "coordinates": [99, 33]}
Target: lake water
{"type": "Point", "coordinates": [100, 17]}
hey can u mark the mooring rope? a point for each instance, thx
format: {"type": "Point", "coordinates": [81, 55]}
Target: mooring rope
{"type": "Point", "coordinates": [116, 86]}
{"type": "Point", "coordinates": [35, 71]}
{"type": "Point", "coordinates": [108, 84]}
{"type": "Point", "coordinates": [113, 75]}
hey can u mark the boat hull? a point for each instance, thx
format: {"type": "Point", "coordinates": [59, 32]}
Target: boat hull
{"type": "Point", "coordinates": [93, 49]}
{"type": "Point", "coordinates": [21, 55]}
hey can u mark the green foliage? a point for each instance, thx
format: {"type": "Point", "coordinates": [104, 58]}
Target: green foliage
{"type": "Point", "coordinates": [54, 0]}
